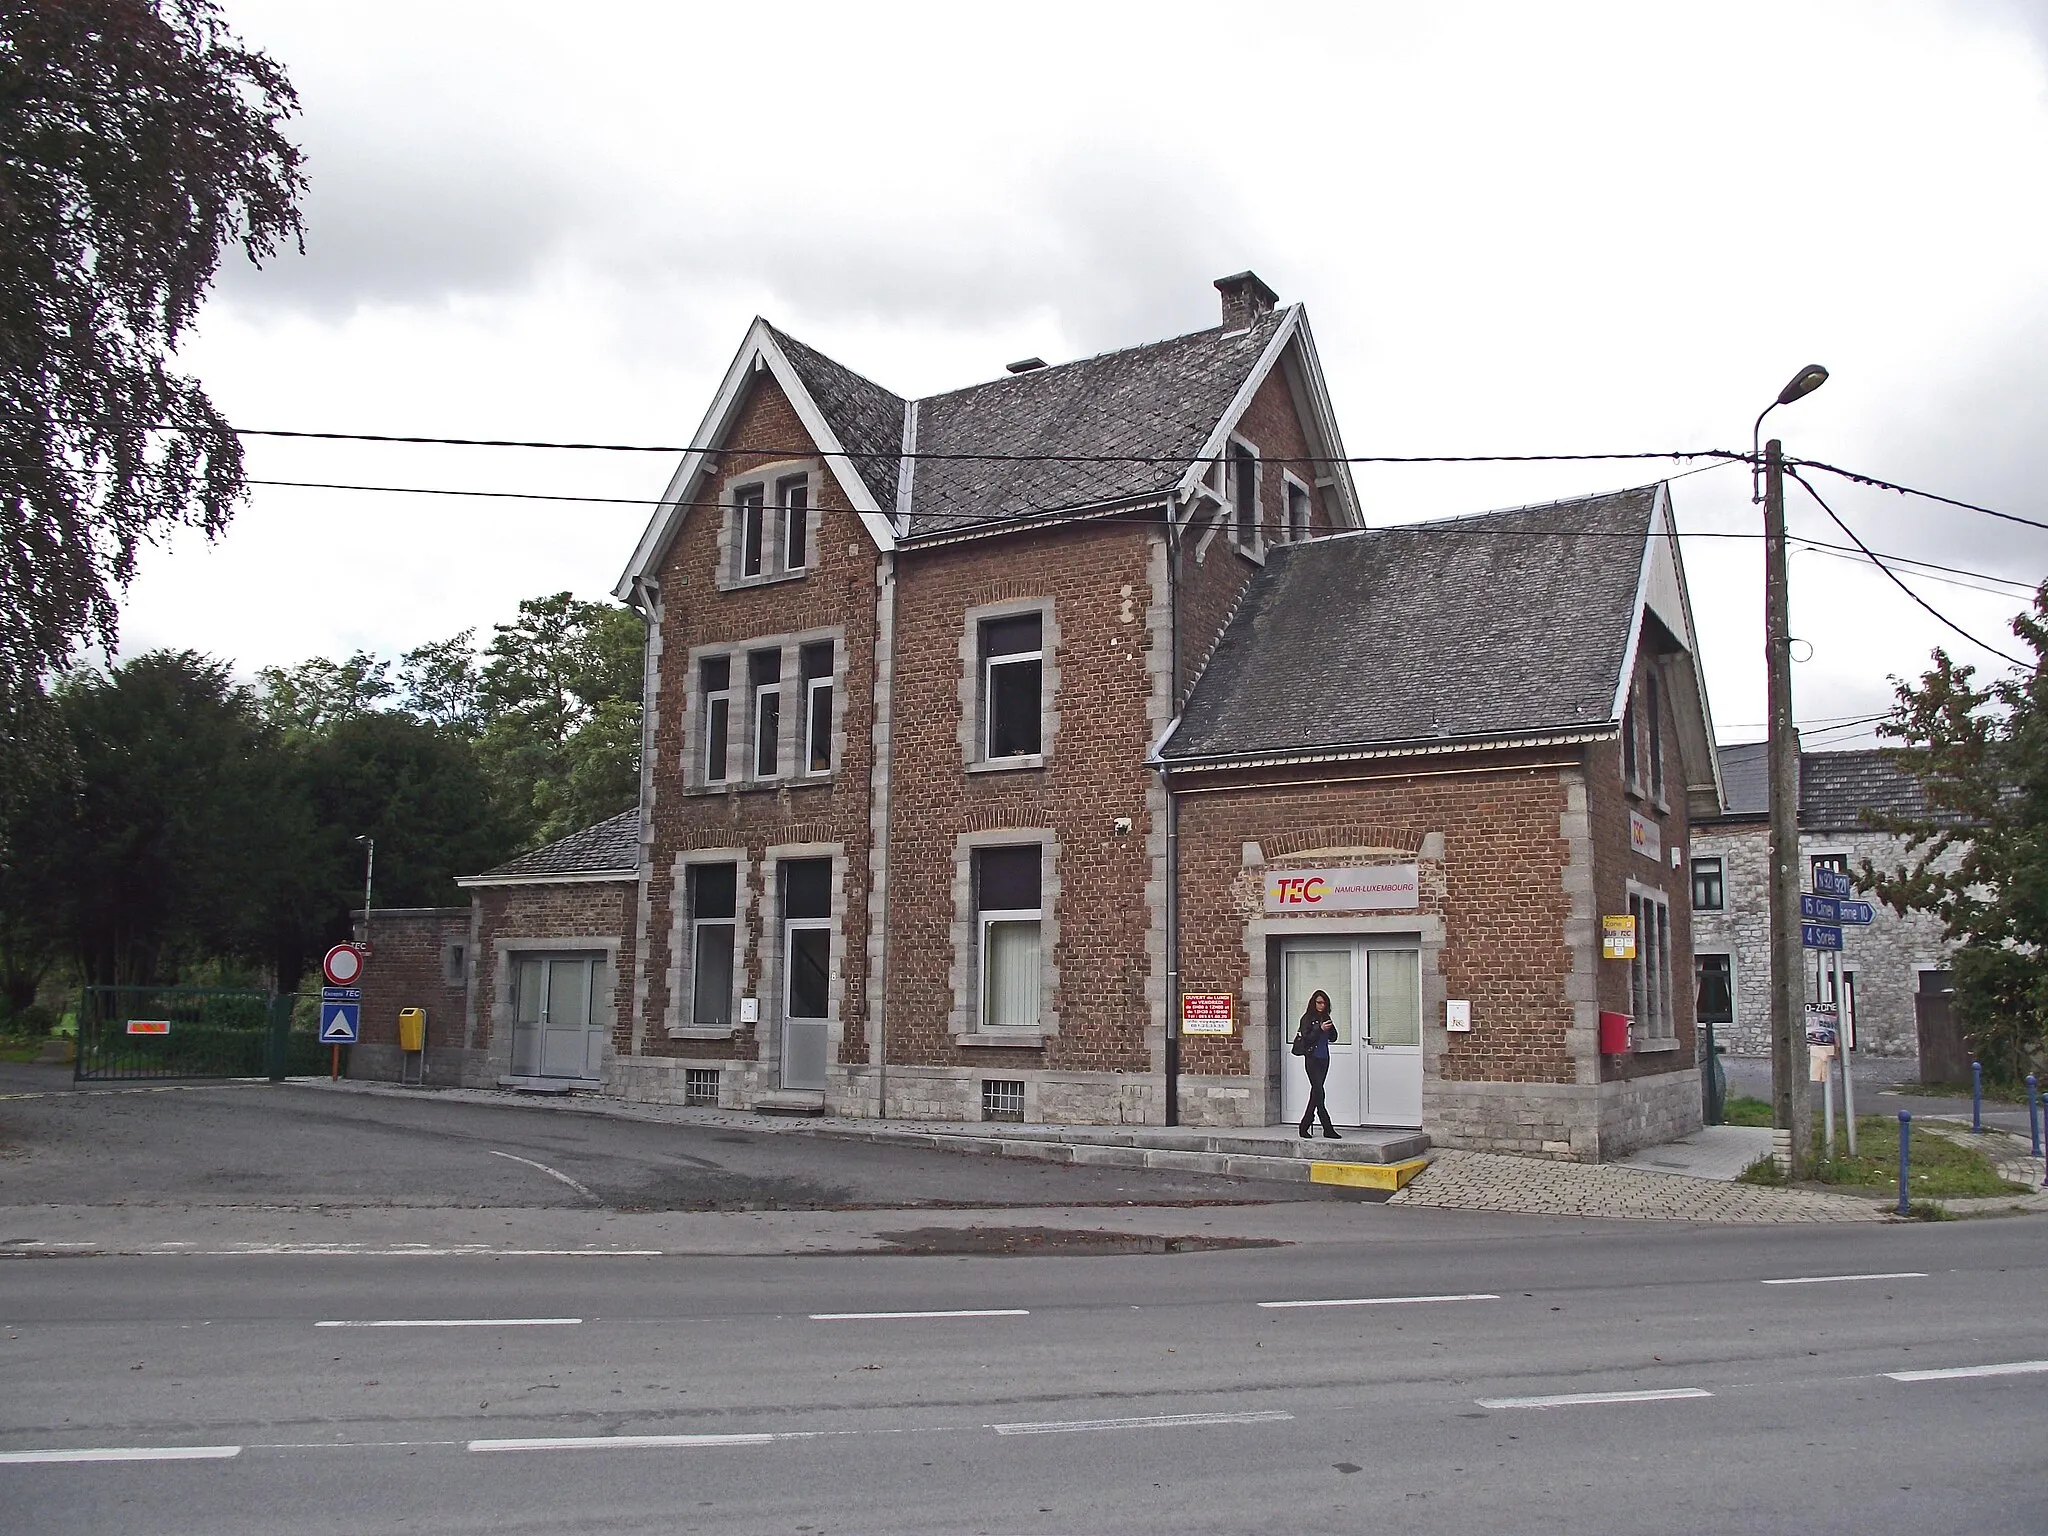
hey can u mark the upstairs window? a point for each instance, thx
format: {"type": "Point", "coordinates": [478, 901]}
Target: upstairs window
{"type": "Point", "coordinates": [1298, 516]}
{"type": "Point", "coordinates": [764, 673]}
{"type": "Point", "coordinates": [793, 499]}
{"type": "Point", "coordinates": [748, 520]}
{"type": "Point", "coordinates": [714, 897]}
{"type": "Point", "coordinates": [1013, 663]}
{"type": "Point", "coordinates": [1008, 917]}
{"type": "Point", "coordinates": [1630, 773]}
{"type": "Point", "coordinates": [716, 675]}
{"type": "Point", "coordinates": [1244, 494]}
{"type": "Point", "coordinates": [1656, 723]}
{"type": "Point", "coordinates": [1709, 893]}
{"type": "Point", "coordinates": [815, 666]}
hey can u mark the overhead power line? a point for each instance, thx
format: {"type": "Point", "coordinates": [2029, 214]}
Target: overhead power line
{"type": "Point", "coordinates": [1897, 580]}
{"type": "Point", "coordinates": [1907, 490]}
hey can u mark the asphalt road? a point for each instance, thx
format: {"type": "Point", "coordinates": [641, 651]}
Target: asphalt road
{"type": "Point", "coordinates": [1121, 1394]}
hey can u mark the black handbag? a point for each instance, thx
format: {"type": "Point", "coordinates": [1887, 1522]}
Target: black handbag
{"type": "Point", "coordinates": [1302, 1044]}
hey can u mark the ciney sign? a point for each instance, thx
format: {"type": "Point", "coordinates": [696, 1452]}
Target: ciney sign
{"type": "Point", "coordinates": [1376, 888]}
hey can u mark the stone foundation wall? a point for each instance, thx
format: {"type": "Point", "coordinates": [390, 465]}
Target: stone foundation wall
{"type": "Point", "coordinates": [1579, 1122]}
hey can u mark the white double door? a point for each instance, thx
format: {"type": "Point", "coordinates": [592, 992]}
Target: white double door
{"type": "Point", "coordinates": [1375, 992]}
{"type": "Point", "coordinates": [556, 1031]}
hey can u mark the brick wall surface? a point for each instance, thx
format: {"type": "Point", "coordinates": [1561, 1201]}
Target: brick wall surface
{"type": "Point", "coordinates": [579, 917]}
{"type": "Point", "coordinates": [408, 969]}
{"type": "Point", "coordinates": [836, 593]}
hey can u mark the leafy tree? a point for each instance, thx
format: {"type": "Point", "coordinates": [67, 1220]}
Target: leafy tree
{"type": "Point", "coordinates": [439, 682]}
{"type": "Point", "coordinates": [561, 700]}
{"type": "Point", "coordinates": [137, 139]}
{"type": "Point", "coordinates": [307, 699]}
{"type": "Point", "coordinates": [1978, 858]}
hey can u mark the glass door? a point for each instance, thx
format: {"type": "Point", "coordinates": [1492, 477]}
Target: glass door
{"type": "Point", "coordinates": [1308, 969]}
{"type": "Point", "coordinates": [555, 1031]}
{"type": "Point", "coordinates": [807, 1001]}
{"type": "Point", "coordinates": [1392, 1088]}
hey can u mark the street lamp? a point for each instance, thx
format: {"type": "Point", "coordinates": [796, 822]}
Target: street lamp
{"type": "Point", "coordinates": [369, 869]}
{"type": "Point", "coordinates": [1791, 1106]}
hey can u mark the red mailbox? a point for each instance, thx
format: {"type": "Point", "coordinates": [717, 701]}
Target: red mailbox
{"type": "Point", "coordinates": [1613, 1033]}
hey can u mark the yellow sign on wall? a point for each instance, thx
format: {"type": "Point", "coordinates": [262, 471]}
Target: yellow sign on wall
{"type": "Point", "coordinates": [1618, 938]}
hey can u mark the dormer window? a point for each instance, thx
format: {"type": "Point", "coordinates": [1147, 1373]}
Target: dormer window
{"type": "Point", "coordinates": [768, 534]}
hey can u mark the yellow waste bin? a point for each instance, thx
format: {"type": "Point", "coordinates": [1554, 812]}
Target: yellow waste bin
{"type": "Point", "coordinates": [412, 1029]}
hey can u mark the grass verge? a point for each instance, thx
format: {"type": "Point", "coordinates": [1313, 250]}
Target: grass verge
{"type": "Point", "coordinates": [1741, 1109]}
{"type": "Point", "coordinates": [1941, 1169]}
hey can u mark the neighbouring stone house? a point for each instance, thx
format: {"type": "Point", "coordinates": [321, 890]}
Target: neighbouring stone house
{"type": "Point", "coordinates": [1884, 965]}
{"type": "Point", "coordinates": [1027, 751]}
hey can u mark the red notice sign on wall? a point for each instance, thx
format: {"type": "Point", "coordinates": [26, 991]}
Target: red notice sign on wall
{"type": "Point", "coordinates": [1206, 1013]}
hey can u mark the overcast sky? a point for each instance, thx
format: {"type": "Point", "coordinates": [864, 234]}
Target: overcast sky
{"type": "Point", "coordinates": [1517, 229]}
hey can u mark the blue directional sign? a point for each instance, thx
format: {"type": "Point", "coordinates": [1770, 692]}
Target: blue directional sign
{"type": "Point", "coordinates": [1811, 935]}
{"type": "Point", "coordinates": [1819, 909]}
{"type": "Point", "coordinates": [1831, 882]}
{"type": "Point", "coordinates": [1857, 912]}
{"type": "Point", "coordinates": [340, 1023]}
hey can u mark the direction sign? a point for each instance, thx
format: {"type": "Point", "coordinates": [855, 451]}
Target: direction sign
{"type": "Point", "coordinates": [343, 965]}
{"type": "Point", "coordinates": [1819, 909]}
{"type": "Point", "coordinates": [1831, 882]}
{"type": "Point", "coordinates": [1820, 936]}
{"type": "Point", "coordinates": [1857, 912]}
{"type": "Point", "coordinates": [340, 1023]}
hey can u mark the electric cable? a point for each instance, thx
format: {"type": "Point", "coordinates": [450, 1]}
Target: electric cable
{"type": "Point", "coordinates": [1900, 583]}
{"type": "Point", "coordinates": [1907, 490]}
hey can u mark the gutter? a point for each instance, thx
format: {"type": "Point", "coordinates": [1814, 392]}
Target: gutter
{"type": "Point", "coordinates": [1426, 747]}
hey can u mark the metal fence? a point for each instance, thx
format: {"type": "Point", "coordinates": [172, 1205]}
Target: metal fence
{"type": "Point", "coordinates": [127, 1033]}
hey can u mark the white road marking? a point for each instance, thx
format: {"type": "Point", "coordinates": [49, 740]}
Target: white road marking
{"type": "Point", "coordinates": [124, 1453]}
{"type": "Point", "coordinates": [626, 1442]}
{"type": "Point", "coordinates": [1153, 1421]}
{"type": "Point", "coordinates": [1963, 1372]}
{"type": "Point", "coordinates": [399, 1251]}
{"type": "Point", "coordinates": [1903, 1274]}
{"type": "Point", "coordinates": [1590, 1399]}
{"type": "Point", "coordinates": [887, 1317]}
{"type": "Point", "coordinates": [553, 1173]}
{"type": "Point", "coordinates": [452, 1322]}
{"type": "Point", "coordinates": [1377, 1301]}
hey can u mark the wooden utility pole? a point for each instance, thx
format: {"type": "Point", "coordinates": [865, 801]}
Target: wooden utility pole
{"type": "Point", "coordinates": [1791, 1099]}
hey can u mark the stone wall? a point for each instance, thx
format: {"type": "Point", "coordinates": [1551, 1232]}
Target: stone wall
{"type": "Point", "coordinates": [420, 958]}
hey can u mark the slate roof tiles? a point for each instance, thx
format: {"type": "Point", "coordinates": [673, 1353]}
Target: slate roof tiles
{"type": "Point", "coordinates": [607, 848]}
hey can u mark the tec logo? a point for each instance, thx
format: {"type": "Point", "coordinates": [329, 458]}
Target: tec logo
{"type": "Point", "coordinates": [1300, 891]}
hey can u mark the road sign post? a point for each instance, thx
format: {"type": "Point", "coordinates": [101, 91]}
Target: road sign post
{"type": "Point", "coordinates": [341, 1020]}
{"type": "Point", "coordinates": [1820, 936]}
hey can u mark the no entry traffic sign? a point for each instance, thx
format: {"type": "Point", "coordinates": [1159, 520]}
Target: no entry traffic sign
{"type": "Point", "coordinates": [343, 965]}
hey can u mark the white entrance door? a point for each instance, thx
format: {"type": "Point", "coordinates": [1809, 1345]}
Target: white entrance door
{"type": "Point", "coordinates": [806, 1001]}
{"type": "Point", "coordinates": [1375, 996]}
{"type": "Point", "coordinates": [556, 1031]}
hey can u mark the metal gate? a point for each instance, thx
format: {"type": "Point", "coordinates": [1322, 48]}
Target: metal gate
{"type": "Point", "coordinates": [180, 1032]}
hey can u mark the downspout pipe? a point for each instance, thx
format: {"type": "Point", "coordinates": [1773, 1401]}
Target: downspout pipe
{"type": "Point", "coordinates": [1173, 547]}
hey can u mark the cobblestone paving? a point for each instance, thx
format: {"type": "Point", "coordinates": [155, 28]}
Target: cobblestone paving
{"type": "Point", "coordinates": [1489, 1181]}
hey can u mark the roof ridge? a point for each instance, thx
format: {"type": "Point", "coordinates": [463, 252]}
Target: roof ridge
{"type": "Point", "coordinates": [1095, 357]}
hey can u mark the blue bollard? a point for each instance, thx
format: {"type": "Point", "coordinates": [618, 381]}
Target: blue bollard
{"type": "Point", "coordinates": [1905, 1156]}
{"type": "Point", "coordinates": [1977, 1097]}
{"type": "Point", "coordinates": [2034, 1113]}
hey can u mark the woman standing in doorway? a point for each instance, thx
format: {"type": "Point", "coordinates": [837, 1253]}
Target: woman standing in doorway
{"type": "Point", "coordinates": [1312, 1045]}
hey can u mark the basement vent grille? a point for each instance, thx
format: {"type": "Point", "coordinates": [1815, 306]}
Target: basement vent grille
{"type": "Point", "coordinates": [700, 1087]}
{"type": "Point", "coordinates": [1002, 1099]}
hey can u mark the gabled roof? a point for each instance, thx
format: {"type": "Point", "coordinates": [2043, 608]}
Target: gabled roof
{"type": "Point", "coordinates": [1160, 402]}
{"type": "Point", "coordinates": [1746, 776]}
{"type": "Point", "coordinates": [1124, 427]}
{"type": "Point", "coordinates": [1838, 790]}
{"type": "Point", "coordinates": [1510, 625]}
{"type": "Point", "coordinates": [608, 851]}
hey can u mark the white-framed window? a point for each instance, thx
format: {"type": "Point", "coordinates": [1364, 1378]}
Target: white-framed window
{"type": "Point", "coordinates": [1650, 972]}
{"type": "Point", "coordinates": [1654, 707]}
{"type": "Point", "coordinates": [1012, 679]}
{"type": "Point", "coordinates": [1244, 494]}
{"type": "Point", "coordinates": [793, 504]}
{"type": "Point", "coordinates": [1631, 772]}
{"type": "Point", "coordinates": [1715, 1000]}
{"type": "Point", "coordinates": [814, 665]}
{"type": "Point", "coordinates": [764, 676]}
{"type": "Point", "coordinates": [1709, 884]}
{"type": "Point", "coordinates": [714, 907]}
{"type": "Point", "coordinates": [750, 524]}
{"type": "Point", "coordinates": [1300, 513]}
{"type": "Point", "coordinates": [1008, 925]}
{"type": "Point", "coordinates": [715, 680]}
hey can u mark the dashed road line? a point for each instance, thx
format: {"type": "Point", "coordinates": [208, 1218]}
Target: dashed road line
{"type": "Point", "coordinates": [1377, 1301]}
{"type": "Point", "coordinates": [1903, 1274]}
{"type": "Point", "coordinates": [627, 1442]}
{"type": "Point", "coordinates": [1966, 1372]}
{"type": "Point", "coordinates": [1594, 1399]}
{"type": "Point", "coordinates": [891, 1317]}
{"type": "Point", "coordinates": [451, 1322]}
{"type": "Point", "coordinates": [123, 1453]}
{"type": "Point", "coordinates": [1149, 1421]}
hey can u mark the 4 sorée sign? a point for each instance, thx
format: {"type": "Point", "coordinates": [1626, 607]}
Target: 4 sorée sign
{"type": "Point", "coordinates": [1372, 888]}
{"type": "Point", "coordinates": [343, 965]}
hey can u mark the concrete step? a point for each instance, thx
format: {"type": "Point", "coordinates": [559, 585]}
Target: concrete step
{"type": "Point", "coordinates": [791, 1101]}
{"type": "Point", "coordinates": [1366, 1145]}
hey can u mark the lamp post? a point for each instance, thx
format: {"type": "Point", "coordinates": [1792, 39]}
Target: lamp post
{"type": "Point", "coordinates": [1791, 1104]}
{"type": "Point", "coordinates": [369, 869]}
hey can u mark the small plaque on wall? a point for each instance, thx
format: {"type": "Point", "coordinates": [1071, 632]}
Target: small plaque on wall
{"type": "Point", "coordinates": [1458, 1015]}
{"type": "Point", "coordinates": [750, 1010]}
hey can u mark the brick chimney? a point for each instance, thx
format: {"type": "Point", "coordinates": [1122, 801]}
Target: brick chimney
{"type": "Point", "coordinates": [1245, 298]}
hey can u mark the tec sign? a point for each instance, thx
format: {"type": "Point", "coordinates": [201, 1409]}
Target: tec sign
{"type": "Point", "coordinates": [1371, 888]}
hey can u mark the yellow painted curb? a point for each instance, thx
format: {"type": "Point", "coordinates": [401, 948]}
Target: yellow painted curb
{"type": "Point", "coordinates": [1367, 1175]}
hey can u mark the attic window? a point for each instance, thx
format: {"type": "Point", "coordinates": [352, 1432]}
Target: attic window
{"type": "Point", "coordinates": [1244, 495]}
{"type": "Point", "coordinates": [1656, 723]}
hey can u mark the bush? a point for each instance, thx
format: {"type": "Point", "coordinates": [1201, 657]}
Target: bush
{"type": "Point", "coordinates": [34, 1020]}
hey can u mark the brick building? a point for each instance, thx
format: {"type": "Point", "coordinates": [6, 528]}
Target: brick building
{"type": "Point", "coordinates": [1885, 965]}
{"type": "Point", "coordinates": [972, 720]}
